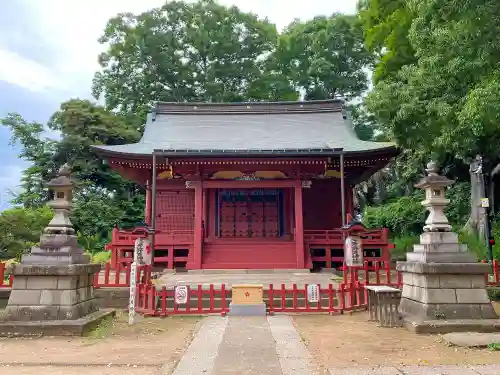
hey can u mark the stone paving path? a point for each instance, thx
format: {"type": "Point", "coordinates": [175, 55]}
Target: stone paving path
{"type": "Point", "coordinates": [248, 346]}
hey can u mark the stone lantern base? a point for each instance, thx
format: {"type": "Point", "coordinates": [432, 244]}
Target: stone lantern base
{"type": "Point", "coordinates": [444, 289]}
{"type": "Point", "coordinates": [52, 300]}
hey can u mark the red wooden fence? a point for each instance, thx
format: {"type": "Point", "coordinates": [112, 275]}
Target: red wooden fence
{"type": "Point", "coordinates": [151, 301]}
{"type": "Point", "coordinates": [371, 273]}
{"type": "Point", "coordinates": [120, 276]}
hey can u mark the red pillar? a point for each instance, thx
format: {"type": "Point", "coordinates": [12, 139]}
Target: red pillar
{"type": "Point", "coordinates": [198, 218]}
{"type": "Point", "coordinates": [205, 213]}
{"type": "Point", "coordinates": [299, 228]}
{"type": "Point", "coordinates": [147, 213]}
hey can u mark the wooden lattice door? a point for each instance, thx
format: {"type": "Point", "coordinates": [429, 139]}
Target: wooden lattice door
{"type": "Point", "coordinates": [248, 213]}
{"type": "Point", "coordinates": [175, 210]}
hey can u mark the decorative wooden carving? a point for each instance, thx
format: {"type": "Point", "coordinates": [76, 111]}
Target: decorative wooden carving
{"type": "Point", "coordinates": [306, 184]}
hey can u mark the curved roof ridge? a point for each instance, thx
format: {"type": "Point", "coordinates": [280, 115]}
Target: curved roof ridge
{"type": "Point", "coordinates": [310, 106]}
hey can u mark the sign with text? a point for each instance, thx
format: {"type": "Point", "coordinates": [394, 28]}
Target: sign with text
{"type": "Point", "coordinates": [181, 294]}
{"type": "Point", "coordinates": [485, 202]}
{"type": "Point", "coordinates": [313, 293]}
{"type": "Point", "coordinates": [142, 251]}
{"type": "Point", "coordinates": [353, 251]}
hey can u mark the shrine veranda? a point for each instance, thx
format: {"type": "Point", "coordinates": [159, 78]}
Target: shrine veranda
{"type": "Point", "coordinates": [248, 185]}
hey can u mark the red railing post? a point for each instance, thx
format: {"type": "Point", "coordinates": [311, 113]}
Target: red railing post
{"type": "Point", "coordinates": [496, 275]}
{"type": "Point", "coordinates": [271, 298]}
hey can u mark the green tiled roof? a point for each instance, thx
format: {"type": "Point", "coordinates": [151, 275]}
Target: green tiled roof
{"type": "Point", "coordinates": [313, 127]}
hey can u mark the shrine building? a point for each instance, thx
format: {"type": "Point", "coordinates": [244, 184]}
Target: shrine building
{"type": "Point", "coordinates": [265, 185]}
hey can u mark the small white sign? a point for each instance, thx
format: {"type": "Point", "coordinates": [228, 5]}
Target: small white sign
{"type": "Point", "coordinates": [485, 202]}
{"type": "Point", "coordinates": [353, 251]}
{"type": "Point", "coordinates": [131, 303]}
{"type": "Point", "coordinates": [181, 294]}
{"type": "Point", "coordinates": [313, 293]}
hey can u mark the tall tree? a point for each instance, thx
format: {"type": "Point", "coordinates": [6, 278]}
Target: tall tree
{"type": "Point", "coordinates": [386, 25]}
{"type": "Point", "coordinates": [183, 51]}
{"type": "Point", "coordinates": [325, 57]}
{"type": "Point", "coordinates": [103, 198]}
{"type": "Point", "coordinates": [447, 101]}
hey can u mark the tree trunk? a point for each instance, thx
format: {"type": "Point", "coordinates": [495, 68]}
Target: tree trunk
{"type": "Point", "coordinates": [477, 222]}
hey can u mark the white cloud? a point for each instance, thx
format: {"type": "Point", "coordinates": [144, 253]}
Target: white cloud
{"type": "Point", "coordinates": [73, 29]}
{"type": "Point", "coordinates": [9, 184]}
{"type": "Point", "coordinates": [28, 74]}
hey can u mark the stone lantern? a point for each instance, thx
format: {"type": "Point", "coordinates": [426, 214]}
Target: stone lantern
{"type": "Point", "coordinates": [62, 187]}
{"type": "Point", "coordinates": [58, 243]}
{"type": "Point", "coordinates": [53, 289]}
{"type": "Point", "coordinates": [435, 201]}
{"type": "Point", "coordinates": [443, 284]}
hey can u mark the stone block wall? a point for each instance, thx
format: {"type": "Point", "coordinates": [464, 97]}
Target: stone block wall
{"type": "Point", "coordinates": [435, 293]}
{"type": "Point", "coordinates": [64, 293]}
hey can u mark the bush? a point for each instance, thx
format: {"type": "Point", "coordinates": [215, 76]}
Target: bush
{"type": "Point", "coordinates": [458, 210]}
{"type": "Point", "coordinates": [101, 257]}
{"type": "Point", "coordinates": [402, 245]}
{"type": "Point", "coordinates": [404, 216]}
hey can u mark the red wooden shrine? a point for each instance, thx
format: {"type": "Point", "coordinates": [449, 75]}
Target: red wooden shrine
{"type": "Point", "coordinates": [248, 185]}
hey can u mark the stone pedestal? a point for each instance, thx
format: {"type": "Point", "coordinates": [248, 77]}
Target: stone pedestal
{"type": "Point", "coordinates": [53, 289]}
{"type": "Point", "coordinates": [444, 288]}
{"type": "Point", "coordinates": [52, 292]}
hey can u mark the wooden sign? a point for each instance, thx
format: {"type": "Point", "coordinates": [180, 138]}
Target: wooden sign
{"type": "Point", "coordinates": [313, 293]}
{"type": "Point", "coordinates": [131, 302]}
{"type": "Point", "coordinates": [139, 254]}
{"type": "Point", "coordinates": [181, 294]}
{"type": "Point", "coordinates": [353, 251]}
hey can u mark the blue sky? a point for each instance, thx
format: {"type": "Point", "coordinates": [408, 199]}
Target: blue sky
{"type": "Point", "coordinates": [49, 48]}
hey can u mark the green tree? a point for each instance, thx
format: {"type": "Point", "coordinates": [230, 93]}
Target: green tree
{"type": "Point", "coordinates": [21, 228]}
{"type": "Point", "coordinates": [102, 197]}
{"type": "Point", "coordinates": [446, 102]}
{"type": "Point", "coordinates": [200, 51]}
{"type": "Point", "coordinates": [325, 57]}
{"type": "Point", "coordinates": [386, 25]}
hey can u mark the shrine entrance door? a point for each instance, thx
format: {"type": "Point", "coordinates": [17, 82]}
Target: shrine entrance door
{"type": "Point", "coordinates": [249, 213]}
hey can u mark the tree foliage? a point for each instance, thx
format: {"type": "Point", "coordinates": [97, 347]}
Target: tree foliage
{"type": "Point", "coordinates": [445, 101]}
{"type": "Point", "coordinates": [102, 198]}
{"type": "Point", "coordinates": [200, 51]}
{"type": "Point", "coordinates": [21, 228]}
{"type": "Point", "coordinates": [386, 24]}
{"type": "Point", "coordinates": [325, 57]}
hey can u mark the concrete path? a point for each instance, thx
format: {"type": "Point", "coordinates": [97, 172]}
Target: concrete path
{"type": "Point", "coordinates": [248, 346]}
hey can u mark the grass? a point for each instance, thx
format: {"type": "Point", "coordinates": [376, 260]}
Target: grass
{"type": "Point", "coordinates": [103, 330]}
{"type": "Point", "coordinates": [494, 346]}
